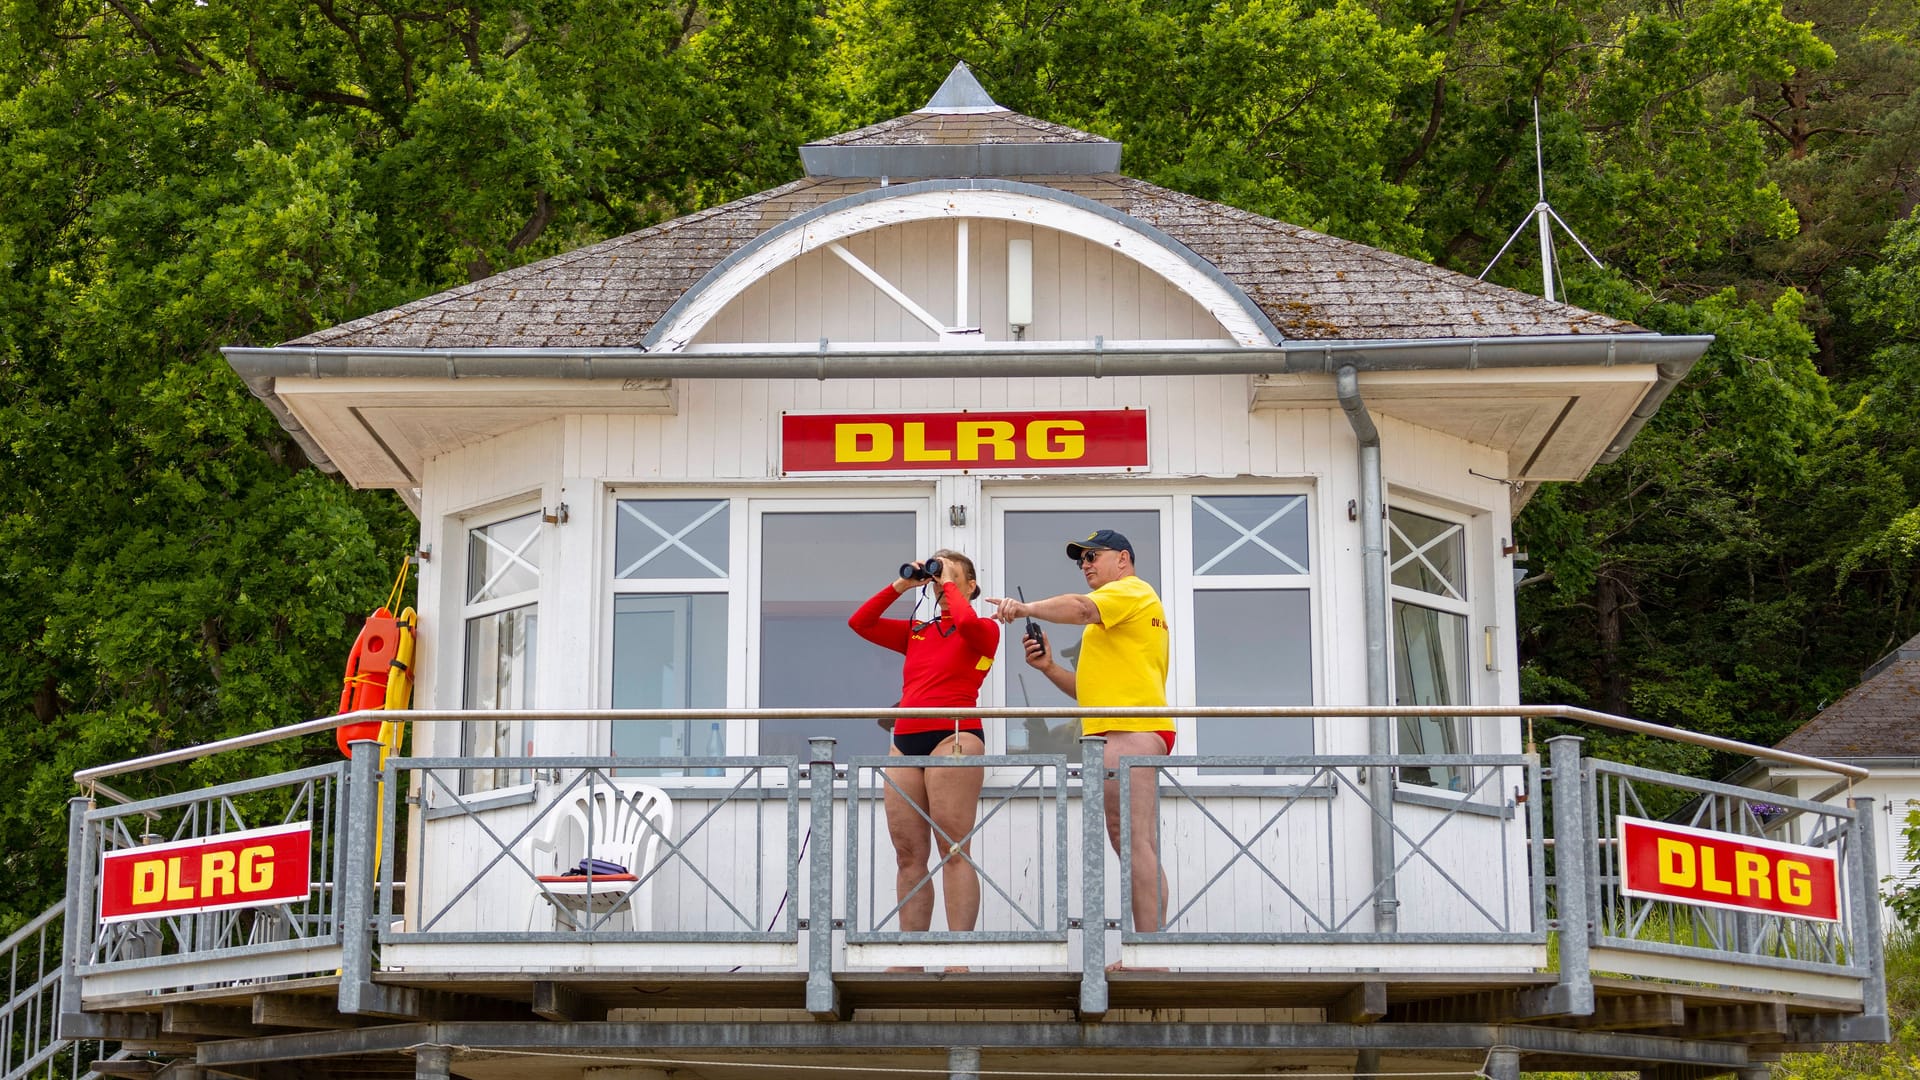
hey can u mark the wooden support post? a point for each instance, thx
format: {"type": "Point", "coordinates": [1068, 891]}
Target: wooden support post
{"type": "Point", "coordinates": [1363, 1004]}
{"type": "Point", "coordinates": [299, 1011]}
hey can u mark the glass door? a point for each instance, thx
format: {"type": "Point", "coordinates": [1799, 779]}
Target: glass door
{"type": "Point", "coordinates": [818, 561]}
{"type": "Point", "coordinates": [1031, 536]}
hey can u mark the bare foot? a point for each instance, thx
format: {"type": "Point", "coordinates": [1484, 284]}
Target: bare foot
{"type": "Point", "coordinates": [896, 970]}
{"type": "Point", "coordinates": [957, 969]}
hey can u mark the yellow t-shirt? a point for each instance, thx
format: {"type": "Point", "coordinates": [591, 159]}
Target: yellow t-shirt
{"type": "Point", "coordinates": [1123, 658]}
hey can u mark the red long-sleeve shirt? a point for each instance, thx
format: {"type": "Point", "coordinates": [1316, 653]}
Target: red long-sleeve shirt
{"type": "Point", "coordinates": [946, 661]}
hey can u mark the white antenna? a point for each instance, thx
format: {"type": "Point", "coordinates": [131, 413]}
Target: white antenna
{"type": "Point", "coordinates": [1544, 215]}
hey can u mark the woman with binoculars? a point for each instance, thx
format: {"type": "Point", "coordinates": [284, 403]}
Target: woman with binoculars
{"type": "Point", "coordinates": [948, 649]}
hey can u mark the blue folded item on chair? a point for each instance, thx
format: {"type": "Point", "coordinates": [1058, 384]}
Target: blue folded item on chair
{"type": "Point", "coordinates": [596, 868]}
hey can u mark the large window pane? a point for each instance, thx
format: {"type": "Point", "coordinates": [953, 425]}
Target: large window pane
{"type": "Point", "coordinates": [670, 652]}
{"type": "Point", "coordinates": [1253, 647]}
{"type": "Point", "coordinates": [1035, 543]}
{"type": "Point", "coordinates": [815, 569]}
{"type": "Point", "coordinates": [670, 538]}
{"type": "Point", "coordinates": [1250, 534]}
{"type": "Point", "coordinates": [503, 558]}
{"type": "Point", "coordinates": [1430, 668]}
{"type": "Point", "coordinates": [500, 668]}
{"type": "Point", "coordinates": [1428, 554]}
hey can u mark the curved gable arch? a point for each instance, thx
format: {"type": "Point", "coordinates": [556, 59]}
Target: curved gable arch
{"type": "Point", "coordinates": [1032, 204]}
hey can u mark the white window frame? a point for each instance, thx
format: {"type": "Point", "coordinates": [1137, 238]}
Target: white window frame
{"type": "Point", "coordinates": [465, 526]}
{"type": "Point", "coordinates": [1178, 583]}
{"type": "Point", "coordinates": [733, 507]}
{"type": "Point", "coordinates": [1471, 575]}
{"type": "Point", "coordinates": [1187, 741]}
{"type": "Point", "coordinates": [746, 507]}
{"type": "Point", "coordinates": [919, 504]}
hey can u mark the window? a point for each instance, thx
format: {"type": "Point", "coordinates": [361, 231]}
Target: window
{"type": "Point", "coordinates": [501, 616]}
{"type": "Point", "coordinates": [670, 568]}
{"type": "Point", "coordinates": [1034, 543]}
{"type": "Point", "coordinates": [1427, 575]}
{"type": "Point", "coordinates": [1252, 620]}
{"type": "Point", "coordinates": [816, 567]}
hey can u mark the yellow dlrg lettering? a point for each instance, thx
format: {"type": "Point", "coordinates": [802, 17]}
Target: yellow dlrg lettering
{"type": "Point", "coordinates": [1046, 440]}
{"type": "Point", "coordinates": [256, 868]}
{"type": "Point", "coordinates": [1675, 860]}
{"type": "Point", "coordinates": [971, 435]}
{"type": "Point", "coordinates": [1795, 880]}
{"type": "Point", "coordinates": [1710, 880]}
{"type": "Point", "coordinates": [1750, 875]}
{"type": "Point", "coordinates": [177, 889]}
{"type": "Point", "coordinates": [847, 440]}
{"type": "Point", "coordinates": [916, 446]}
{"type": "Point", "coordinates": [149, 881]}
{"type": "Point", "coordinates": [216, 867]}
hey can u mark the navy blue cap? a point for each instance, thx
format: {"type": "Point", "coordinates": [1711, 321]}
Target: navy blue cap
{"type": "Point", "coordinates": [1099, 540]}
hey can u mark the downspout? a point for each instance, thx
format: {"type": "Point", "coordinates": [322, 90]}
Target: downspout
{"type": "Point", "coordinates": [1373, 562]}
{"type": "Point", "coordinates": [1668, 376]}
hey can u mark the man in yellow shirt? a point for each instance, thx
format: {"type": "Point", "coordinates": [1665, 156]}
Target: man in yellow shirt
{"type": "Point", "coordinates": [1123, 661]}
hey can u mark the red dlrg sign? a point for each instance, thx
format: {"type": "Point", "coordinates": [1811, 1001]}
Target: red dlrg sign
{"type": "Point", "coordinates": [213, 873]}
{"type": "Point", "coordinates": [1085, 439]}
{"type": "Point", "coordinates": [1725, 870]}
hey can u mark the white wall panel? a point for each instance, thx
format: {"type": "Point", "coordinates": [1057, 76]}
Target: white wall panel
{"type": "Point", "coordinates": [1081, 290]}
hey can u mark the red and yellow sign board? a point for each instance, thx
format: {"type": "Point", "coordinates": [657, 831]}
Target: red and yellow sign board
{"type": "Point", "coordinates": [1725, 870]}
{"type": "Point", "coordinates": [1080, 440]}
{"type": "Point", "coordinates": [235, 870]}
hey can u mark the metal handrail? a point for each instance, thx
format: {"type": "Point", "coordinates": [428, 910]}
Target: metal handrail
{"type": "Point", "coordinates": [89, 778]}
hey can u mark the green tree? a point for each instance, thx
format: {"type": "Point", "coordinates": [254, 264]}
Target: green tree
{"type": "Point", "coordinates": [186, 176]}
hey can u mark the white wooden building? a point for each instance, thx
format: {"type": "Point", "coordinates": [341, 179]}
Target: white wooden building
{"type": "Point", "coordinates": [655, 475]}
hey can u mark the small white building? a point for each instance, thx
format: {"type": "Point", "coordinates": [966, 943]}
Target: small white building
{"type": "Point", "coordinates": [654, 476]}
{"type": "Point", "coordinates": [1875, 725]}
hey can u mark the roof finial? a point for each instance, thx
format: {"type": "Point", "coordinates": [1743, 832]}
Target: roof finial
{"type": "Point", "coordinates": [962, 93]}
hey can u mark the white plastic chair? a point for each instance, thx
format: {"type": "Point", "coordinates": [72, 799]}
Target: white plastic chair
{"type": "Point", "coordinates": [616, 816]}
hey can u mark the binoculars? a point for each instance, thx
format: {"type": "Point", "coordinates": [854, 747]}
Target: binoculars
{"type": "Point", "coordinates": [926, 570]}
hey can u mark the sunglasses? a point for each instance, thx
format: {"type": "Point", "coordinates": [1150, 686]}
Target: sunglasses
{"type": "Point", "coordinates": [1089, 555]}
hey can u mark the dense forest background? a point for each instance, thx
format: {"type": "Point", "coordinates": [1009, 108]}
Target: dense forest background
{"type": "Point", "coordinates": [183, 175]}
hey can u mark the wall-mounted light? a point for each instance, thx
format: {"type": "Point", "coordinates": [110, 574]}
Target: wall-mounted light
{"type": "Point", "coordinates": [1490, 640]}
{"type": "Point", "coordinates": [1019, 285]}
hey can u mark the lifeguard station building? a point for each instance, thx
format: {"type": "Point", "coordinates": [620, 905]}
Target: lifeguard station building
{"type": "Point", "coordinates": [654, 476]}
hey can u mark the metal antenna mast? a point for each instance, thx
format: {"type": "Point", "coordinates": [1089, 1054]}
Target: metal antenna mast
{"type": "Point", "coordinates": [1543, 214]}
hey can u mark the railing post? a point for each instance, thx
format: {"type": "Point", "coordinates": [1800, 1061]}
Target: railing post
{"type": "Point", "coordinates": [1868, 944]}
{"type": "Point", "coordinates": [1093, 876]}
{"type": "Point", "coordinates": [1572, 844]}
{"type": "Point", "coordinates": [76, 939]}
{"type": "Point", "coordinates": [823, 997]}
{"type": "Point", "coordinates": [353, 893]}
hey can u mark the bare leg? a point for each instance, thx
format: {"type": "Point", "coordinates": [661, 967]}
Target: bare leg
{"type": "Point", "coordinates": [906, 800]}
{"type": "Point", "coordinates": [1149, 883]}
{"type": "Point", "coordinates": [954, 795]}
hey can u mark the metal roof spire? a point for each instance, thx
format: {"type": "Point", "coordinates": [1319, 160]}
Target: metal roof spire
{"type": "Point", "coordinates": [962, 93]}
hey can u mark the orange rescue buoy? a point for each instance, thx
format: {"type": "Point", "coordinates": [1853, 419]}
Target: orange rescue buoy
{"type": "Point", "coordinates": [366, 682]}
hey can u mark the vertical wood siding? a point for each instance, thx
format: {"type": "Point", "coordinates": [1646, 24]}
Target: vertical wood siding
{"type": "Point", "coordinates": [1080, 291]}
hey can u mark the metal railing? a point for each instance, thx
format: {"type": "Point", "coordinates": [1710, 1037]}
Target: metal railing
{"type": "Point", "coordinates": [1514, 897]}
{"type": "Point", "coordinates": [295, 937]}
{"type": "Point", "coordinates": [515, 851]}
{"type": "Point", "coordinates": [1023, 901]}
{"type": "Point", "coordinates": [1669, 928]}
{"type": "Point", "coordinates": [1471, 857]}
{"type": "Point", "coordinates": [30, 1045]}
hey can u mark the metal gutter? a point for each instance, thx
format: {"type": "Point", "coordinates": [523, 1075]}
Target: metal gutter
{"type": "Point", "coordinates": [1091, 359]}
{"type": "Point", "coordinates": [1373, 561]}
{"type": "Point", "coordinates": [261, 367]}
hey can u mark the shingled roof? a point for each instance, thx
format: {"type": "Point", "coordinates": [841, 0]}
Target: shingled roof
{"type": "Point", "coordinates": [1312, 286]}
{"type": "Point", "coordinates": [1880, 718]}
